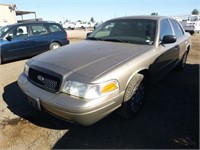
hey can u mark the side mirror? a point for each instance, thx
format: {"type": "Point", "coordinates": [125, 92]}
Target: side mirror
{"type": "Point", "coordinates": [88, 34]}
{"type": "Point", "coordinates": [9, 37]}
{"type": "Point", "coordinates": [168, 39]}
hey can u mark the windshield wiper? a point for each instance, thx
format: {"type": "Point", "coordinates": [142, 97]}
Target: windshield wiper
{"type": "Point", "coordinates": [107, 39]}
{"type": "Point", "coordinates": [116, 40]}
{"type": "Point", "coordinates": [93, 38]}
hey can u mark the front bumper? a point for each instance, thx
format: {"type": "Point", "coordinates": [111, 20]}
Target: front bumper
{"type": "Point", "coordinates": [67, 107]}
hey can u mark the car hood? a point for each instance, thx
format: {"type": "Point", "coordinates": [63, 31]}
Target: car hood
{"type": "Point", "coordinates": [89, 58]}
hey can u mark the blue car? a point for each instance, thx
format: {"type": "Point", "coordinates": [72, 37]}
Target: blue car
{"type": "Point", "coordinates": [23, 40]}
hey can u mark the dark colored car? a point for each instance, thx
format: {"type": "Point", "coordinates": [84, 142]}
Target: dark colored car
{"type": "Point", "coordinates": [24, 40]}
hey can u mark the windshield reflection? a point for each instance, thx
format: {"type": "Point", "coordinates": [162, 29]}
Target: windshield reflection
{"type": "Point", "coordinates": [136, 31]}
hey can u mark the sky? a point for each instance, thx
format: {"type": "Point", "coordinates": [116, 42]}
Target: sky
{"type": "Point", "coordinates": [101, 10]}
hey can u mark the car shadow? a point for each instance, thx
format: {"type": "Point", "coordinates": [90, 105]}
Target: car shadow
{"type": "Point", "coordinates": [16, 60]}
{"type": "Point", "coordinates": [169, 118]}
{"type": "Point", "coordinates": [18, 104]}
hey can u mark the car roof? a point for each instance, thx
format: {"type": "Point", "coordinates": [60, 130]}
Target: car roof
{"type": "Point", "coordinates": [151, 17]}
{"type": "Point", "coordinates": [32, 22]}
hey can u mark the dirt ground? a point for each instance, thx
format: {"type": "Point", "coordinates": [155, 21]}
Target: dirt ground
{"type": "Point", "coordinates": [169, 118]}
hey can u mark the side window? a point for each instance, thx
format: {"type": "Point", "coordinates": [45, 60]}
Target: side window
{"type": "Point", "coordinates": [38, 29]}
{"type": "Point", "coordinates": [54, 28]}
{"type": "Point", "coordinates": [165, 28]}
{"type": "Point", "coordinates": [177, 28]}
{"type": "Point", "coordinates": [19, 32]}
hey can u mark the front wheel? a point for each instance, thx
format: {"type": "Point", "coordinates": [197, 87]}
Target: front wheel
{"type": "Point", "coordinates": [191, 32]}
{"type": "Point", "coordinates": [54, 45]}
{"type": "Point", "coordinates": [133, 97]}
{"type": "Point", "coordinates": [181, 64]}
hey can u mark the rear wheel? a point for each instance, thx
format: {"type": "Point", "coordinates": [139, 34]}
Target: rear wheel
{"type": "Point", "coordinates": [133, 97]}
{"type": "Point", "coordinates": [54, 45]}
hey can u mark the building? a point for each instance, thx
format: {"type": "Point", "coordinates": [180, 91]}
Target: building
{"type": "Point", "coordinates": [9, 13]}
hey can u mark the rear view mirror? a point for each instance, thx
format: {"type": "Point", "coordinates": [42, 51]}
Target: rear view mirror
{"type": "Point", "coordinates": [9, 37]}
{"type": "Point", "coordinates": [168, 39]}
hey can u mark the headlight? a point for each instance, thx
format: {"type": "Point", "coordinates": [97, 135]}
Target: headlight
{"type": "Point", "coordinates": [90, 91]}
{"type": "Point", "coordinates": [26, 69]}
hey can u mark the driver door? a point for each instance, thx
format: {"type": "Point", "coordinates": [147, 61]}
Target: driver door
{"type": "Point", "coordinates": [15, 43]}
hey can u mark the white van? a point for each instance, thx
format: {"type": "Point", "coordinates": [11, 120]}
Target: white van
{"type": "Point", "coordinates": [192, 25]}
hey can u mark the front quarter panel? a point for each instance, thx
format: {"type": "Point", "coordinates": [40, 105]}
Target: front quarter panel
{"type": "Point", "coordinates": [125, 72]}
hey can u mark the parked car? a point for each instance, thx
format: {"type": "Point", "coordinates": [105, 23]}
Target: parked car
{"type": "Point", "coordinates": [97, 24]}
{"type": "Point", "coordinates": [110, 69]}
{"type": "Point", "coordinates": [23, 40]}
{"type": "Point", "coordinates": [77, 25]}
{"type": "Point", "coordinates": [191, 25]}
{"type": "Point", "coordinates": [69, 25]}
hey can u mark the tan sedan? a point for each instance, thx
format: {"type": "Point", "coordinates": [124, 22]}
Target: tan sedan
{"type": "Point", "coordinates": [110, 69]}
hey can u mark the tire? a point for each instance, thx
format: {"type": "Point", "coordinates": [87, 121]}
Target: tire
{"type": "Point", "coordinates": [133, 97]}
{"type": "Point", "coordinates": [54, 45]}
{"type": "Point", "coordinates": [70, 28]}
{"type": "Point", "coordinates": [191, 32]}
{"type": "Point", "coordinates": [181, 64]}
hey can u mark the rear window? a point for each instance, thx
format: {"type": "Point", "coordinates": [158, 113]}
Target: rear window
{"type": "Point", "coordinates": [54, 28]}
{"type": "Point", "coordinates": [38, 29]}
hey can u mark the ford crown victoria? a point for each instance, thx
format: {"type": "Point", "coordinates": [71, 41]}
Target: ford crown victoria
{"type": "Point", "coordinates": [110, 69]}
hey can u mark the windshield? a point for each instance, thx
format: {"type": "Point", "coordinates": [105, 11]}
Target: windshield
{"type": "Point", "coordinates": [3, 30]}
{"type": "Point", "coordinates": [136, 31]}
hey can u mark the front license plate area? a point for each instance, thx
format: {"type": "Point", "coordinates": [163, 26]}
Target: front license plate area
{"type": "Point", "coordinates": [35, 102]}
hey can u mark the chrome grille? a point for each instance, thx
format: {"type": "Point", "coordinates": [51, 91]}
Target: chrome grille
{"type": "Point", "coordinates": [45, 80]}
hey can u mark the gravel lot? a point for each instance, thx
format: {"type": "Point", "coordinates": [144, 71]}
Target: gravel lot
{"type": "Point", "coordinates": [169, 118]}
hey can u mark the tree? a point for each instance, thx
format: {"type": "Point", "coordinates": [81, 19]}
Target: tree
{"type": "Point", "coordinates": [79, 21]}
{"type": "Point", "coordinates": [195, 12]}
{"type": "Point", "coordinates": [154, 14]}
{"type": "Point", "coordinates": [67, 20]}
{"type": "Point", "coordinates": [92, 20]}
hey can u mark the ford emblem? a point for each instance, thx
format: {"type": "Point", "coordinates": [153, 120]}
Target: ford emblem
{"type": "Point", "coordinates": [40, 78]}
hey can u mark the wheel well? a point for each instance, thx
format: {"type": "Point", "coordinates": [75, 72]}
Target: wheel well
{"type": "Point", "coordinates": [188, 49]}
{"type": "Point", "coordinates": [56, 42]}
{"type": "Point", "coordinates": [52, 43]}
{"type": "Point", "coordinates": [146, 74]}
